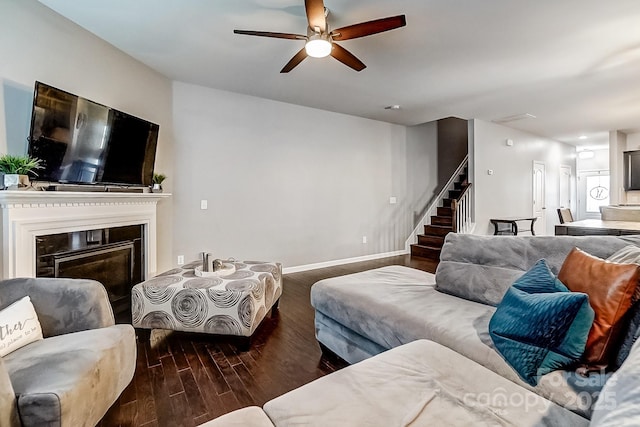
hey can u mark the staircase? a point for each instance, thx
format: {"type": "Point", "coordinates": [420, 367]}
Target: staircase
{"type": "Point", "coordinates": [430, 243]}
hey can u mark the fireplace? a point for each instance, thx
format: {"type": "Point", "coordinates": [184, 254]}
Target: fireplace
{"type": "Point", "coordinates": [113, 256]}
{"type": "Point", "coordinates": [80, 234]}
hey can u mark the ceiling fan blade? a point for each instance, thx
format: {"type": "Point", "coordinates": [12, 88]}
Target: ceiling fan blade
{"type": "Point", "coordinates": [347, 58]}
{"type": "Point", "coordinates": [367, 28]}
{"type": "Point", "coordinates": [270, 34]}
{"type": "Point", "coordinates": [297, 59]}
{"type": "Point", "coordinates": [315, 14]}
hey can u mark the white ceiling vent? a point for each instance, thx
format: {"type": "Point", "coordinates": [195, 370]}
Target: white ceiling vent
{"type": "Point", "coordinates": [514, 118]}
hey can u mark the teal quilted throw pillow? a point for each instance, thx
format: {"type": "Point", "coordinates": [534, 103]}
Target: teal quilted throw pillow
{"type": "Point", "coordinates": [540, 326]}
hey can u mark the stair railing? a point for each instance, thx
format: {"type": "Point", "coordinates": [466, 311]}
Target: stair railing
{"type": "Point", "coordinates": [431, 209]}
{"type": "Point", "coordinates": [461, 211]}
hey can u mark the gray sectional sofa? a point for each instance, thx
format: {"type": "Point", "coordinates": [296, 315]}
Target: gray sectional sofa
{"type": "Point", "coordinates": [421, 353]}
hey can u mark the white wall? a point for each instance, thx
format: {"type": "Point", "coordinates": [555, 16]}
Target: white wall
{"type": "Point", "coordinates": [289, 183]}
{"type": "Point", "coordinates": [599, 161]}
{"type": "Point", "coordinates": [617, 145]}
{"type": "Point", "coordinates": [508, 192]}
{"type": "Point", "coordinates": [38, 44]}
{"type": "Point", "coordinates": [633, 141]}
{"type": "Point", "coordinates": [421, 168]}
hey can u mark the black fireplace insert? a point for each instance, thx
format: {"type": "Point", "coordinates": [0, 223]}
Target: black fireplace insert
{"type": "Point", "coordinates": [113, 256]}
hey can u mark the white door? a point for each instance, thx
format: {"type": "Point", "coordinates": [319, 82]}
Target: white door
{"type": "Point", "coordinates": [565, 187]}
{"type": "Point", "coordinates": [593, 192]}
{"type": "Point", "coordinates": [539, 203]}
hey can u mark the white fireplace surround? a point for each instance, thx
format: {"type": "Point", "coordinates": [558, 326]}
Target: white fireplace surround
{"type": "Point", "coordinates": [29, 214]}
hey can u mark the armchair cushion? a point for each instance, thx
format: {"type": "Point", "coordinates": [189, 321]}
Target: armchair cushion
{"type": "Point", "coordinates": [63, 305]}
{"type": "Point", "coordinates": [72, 379]}
{"type": "Point", "coordinates": [8, 403]}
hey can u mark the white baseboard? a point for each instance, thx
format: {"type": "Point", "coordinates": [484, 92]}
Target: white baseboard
{"type": "Point", "coordinates": [332, 263]}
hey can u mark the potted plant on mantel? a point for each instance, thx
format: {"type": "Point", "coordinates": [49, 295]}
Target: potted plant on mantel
{"type": "Point", "coordinates": [157, 181]}
{"type": "Point", "coordinates": [14, 170]}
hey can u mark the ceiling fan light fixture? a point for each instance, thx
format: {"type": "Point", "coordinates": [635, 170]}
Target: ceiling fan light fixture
{"type": "Point", "coordinates": [318, 46]}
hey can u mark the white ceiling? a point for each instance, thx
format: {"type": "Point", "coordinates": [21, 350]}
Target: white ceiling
{"type": "Point", "coordinates": [574, 64]}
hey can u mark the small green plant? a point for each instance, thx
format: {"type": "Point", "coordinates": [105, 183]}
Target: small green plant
{"type": "Point", "coordinates": [19, 165]}
{"type": "Point", "coordinates": [158, 178]}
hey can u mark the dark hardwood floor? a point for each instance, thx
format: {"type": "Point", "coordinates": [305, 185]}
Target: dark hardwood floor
{"type": "Point", "coordinates": [186, 379]}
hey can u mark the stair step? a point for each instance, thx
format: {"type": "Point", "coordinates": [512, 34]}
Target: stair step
{"type": "Point", "coordinates": [454, 194]}
{"type": "Point", "coordinates": [441, 220]}
{"type": "Point", "coordinates": [444, 212]}
{"type": "Point", "coordinates": [446, 203]}
{"type": "Point", "coordinates": [425, 252]}
{"type": "Point", "coordinates": [437, 230]}
{"type": "Point", "coordinates": [433, 241]}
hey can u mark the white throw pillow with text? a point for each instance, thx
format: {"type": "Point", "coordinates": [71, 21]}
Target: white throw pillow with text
{"type": "Point", "coordinates": [19, 326]}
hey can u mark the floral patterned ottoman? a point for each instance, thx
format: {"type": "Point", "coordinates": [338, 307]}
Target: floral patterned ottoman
{"type": "Point", "coordinates": [230, 305]}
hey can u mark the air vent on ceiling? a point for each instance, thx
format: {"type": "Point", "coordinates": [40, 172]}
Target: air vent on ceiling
{"type": "Point", "coordinates": [514, 118]}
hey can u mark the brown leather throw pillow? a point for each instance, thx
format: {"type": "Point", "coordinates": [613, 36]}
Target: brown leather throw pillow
{"type": "Point", "coordinates": [610, 287]}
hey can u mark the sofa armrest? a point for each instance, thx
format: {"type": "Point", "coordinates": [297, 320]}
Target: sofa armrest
{"type": "Point", "coordinates": [63, 305]}
{"type": "Point", "coordinates": [8, 401]}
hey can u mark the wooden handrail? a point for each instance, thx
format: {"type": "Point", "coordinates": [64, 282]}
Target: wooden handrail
{"type": "Point", "coordinates": [464, 191]}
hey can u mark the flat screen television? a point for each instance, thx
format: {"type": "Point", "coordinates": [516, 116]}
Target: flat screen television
{"type": "Point", "coordinates": [82, 142]}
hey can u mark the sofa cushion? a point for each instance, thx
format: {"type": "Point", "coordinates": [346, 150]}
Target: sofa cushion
{"type": "Point", "coordinates": [539, 326]}
{"type": "Point", "coordinates": [68, 376]}
{"type": "Point", "coordinates": [395, 305]}
{"type": "Point", "coordinates": [482, 268]}
{"type": "Point", "coordinates": [610, 287]}
{"type": "Point", "coordinates": [617, 404]}
{"type": "Point", "coordinates": [19, 326]}
{"type": "Point", "coordinates": [419, 384]}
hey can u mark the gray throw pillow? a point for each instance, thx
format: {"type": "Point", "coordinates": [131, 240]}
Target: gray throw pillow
{"type": "Point", "coordinates": [628, 255]}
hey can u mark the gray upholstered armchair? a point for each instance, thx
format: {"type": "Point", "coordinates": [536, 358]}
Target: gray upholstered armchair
{"type": "Point", "coordinates": [72, 376]}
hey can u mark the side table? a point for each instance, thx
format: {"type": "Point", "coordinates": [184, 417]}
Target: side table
{"type": "Point", "coordinates": [512, 225]}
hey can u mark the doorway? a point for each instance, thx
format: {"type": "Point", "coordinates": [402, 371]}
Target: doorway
{"type": "Point", "coordinates": [539, 202]}
{"type": "Point", "coordinates": [593, 192]}
{"type": "Point", "coordinates": [565, 187]}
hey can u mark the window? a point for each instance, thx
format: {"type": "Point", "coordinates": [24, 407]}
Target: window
{"type": "Point", "coordinates": [597, 192]}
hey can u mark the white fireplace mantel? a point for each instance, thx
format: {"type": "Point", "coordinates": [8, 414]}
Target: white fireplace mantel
{"type": "Point", "coordinates": [28, 214]}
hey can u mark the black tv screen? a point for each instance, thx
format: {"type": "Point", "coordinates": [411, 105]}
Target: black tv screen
{"type": "Point", "coordinates": [82, 142]}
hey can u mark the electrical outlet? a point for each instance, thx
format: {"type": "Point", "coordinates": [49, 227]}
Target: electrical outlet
{"type": "Point", "coordinates": [393, 200]}
{"type": "Point", "coordinates": [180, 259]}
{"type": "Point", "coordinates": [364, 239]}
{"type": "Point", "coordinates": [204, 204]}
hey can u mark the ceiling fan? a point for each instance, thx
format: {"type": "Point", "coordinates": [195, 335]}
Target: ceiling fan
{"type": "Point", "coordinates": [320, 42]}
